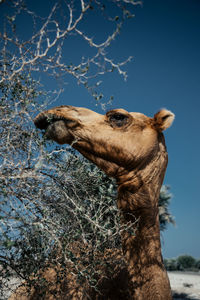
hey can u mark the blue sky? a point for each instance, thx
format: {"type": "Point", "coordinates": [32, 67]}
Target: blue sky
{"type": "Point", "coordinates": [164, 40]}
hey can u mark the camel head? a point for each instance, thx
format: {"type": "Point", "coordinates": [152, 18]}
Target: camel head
{"type": "Point", "coordinates": [117, 142]}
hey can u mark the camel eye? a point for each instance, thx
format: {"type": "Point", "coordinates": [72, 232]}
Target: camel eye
{"type": "Point", "coordinates": [118, 119]}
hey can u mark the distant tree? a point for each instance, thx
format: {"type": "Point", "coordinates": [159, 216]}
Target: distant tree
{"type": "Point", "coordinates": [186, 262]}
{"type": "Point", "coordinates": [171, 264]}
{"type": "Point", "coordinates": [165, 216]}
{"type": "Point", "coordinates": [182, 263]}
{"type": "Point", "coordinates": [197, 264]}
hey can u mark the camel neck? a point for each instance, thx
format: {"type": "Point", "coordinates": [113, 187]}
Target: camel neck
{"type": "Point", "coordinates": [140, 209]}
{"type": "Point", "coordinates": [141, 245]}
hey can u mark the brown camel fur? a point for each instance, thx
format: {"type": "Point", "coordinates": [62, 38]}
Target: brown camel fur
{"type": "Point", "coordinates": [131, 148]}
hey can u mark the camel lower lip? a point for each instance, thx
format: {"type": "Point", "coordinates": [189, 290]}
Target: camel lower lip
{"type": "Point", "coordinates": [56, 128]}
{"type": "Point", "coordinates": [58, 132]}
{"type": "Point", "coordinates": [48, 131]}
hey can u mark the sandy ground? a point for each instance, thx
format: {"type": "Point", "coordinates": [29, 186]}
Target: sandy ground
{"type": "Point", "coordinates": [8, 287]}
{"type": "Point", "coordinates": [185, 286]}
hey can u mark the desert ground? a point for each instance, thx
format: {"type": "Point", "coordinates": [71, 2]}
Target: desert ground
{"type": "Point", "coordinates": [185, 286]}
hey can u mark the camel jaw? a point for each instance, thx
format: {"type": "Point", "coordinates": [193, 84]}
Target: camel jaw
{"type": "Point", "coordinates": [55, 127]}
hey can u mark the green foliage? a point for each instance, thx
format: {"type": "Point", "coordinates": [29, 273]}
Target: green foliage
{"type": "Point", "coordinates": [186, 262]}
{"type": "Point", "coordinates": [165, 216]}
{"type": "Point", "coordinates": [171, 264]}
{"type": "Point", "coordinates": [182, 263]}
{"type": "Point", "coordinates": [197, 264]}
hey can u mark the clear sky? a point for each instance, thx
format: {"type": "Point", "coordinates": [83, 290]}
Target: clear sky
{"type": "Point", "coordinates": [164, 39]}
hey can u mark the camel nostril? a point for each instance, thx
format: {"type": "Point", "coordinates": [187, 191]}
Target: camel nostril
{"type": "Point", "coordinates": [42, 121]}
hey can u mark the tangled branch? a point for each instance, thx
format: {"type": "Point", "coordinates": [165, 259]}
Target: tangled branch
{"type": "Point", "coordinates": [43, 50]}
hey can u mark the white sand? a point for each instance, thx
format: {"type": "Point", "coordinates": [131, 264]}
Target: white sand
{"type": "Point", "coordinates": [185, 283]}
{"type": "Point", "coordinates": [9, 287]}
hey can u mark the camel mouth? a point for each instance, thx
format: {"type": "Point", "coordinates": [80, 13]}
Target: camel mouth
{"type": "Point", "coordinates": [43, 121]}
{"type": "Point", "coordinates": [55, 127]}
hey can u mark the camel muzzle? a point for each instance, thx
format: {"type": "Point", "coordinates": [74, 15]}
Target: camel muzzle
{"type": "Point", "coordinates": [56, 127]}
{"type": "Point", "coordinates": [42, 121]}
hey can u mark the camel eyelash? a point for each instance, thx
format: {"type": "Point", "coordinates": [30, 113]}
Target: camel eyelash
{"type": "Point", "coordinates": [118, 119]}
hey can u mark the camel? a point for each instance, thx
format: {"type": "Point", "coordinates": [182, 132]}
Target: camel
{"type": "Point", "coordinates": [130, 147]}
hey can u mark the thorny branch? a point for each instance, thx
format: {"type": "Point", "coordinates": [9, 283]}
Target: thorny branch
{"type": "Point", "coordinates": [43, 50]}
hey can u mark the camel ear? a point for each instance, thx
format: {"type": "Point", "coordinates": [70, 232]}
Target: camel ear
{"type": "Point", "coordinates": [163, 119]}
